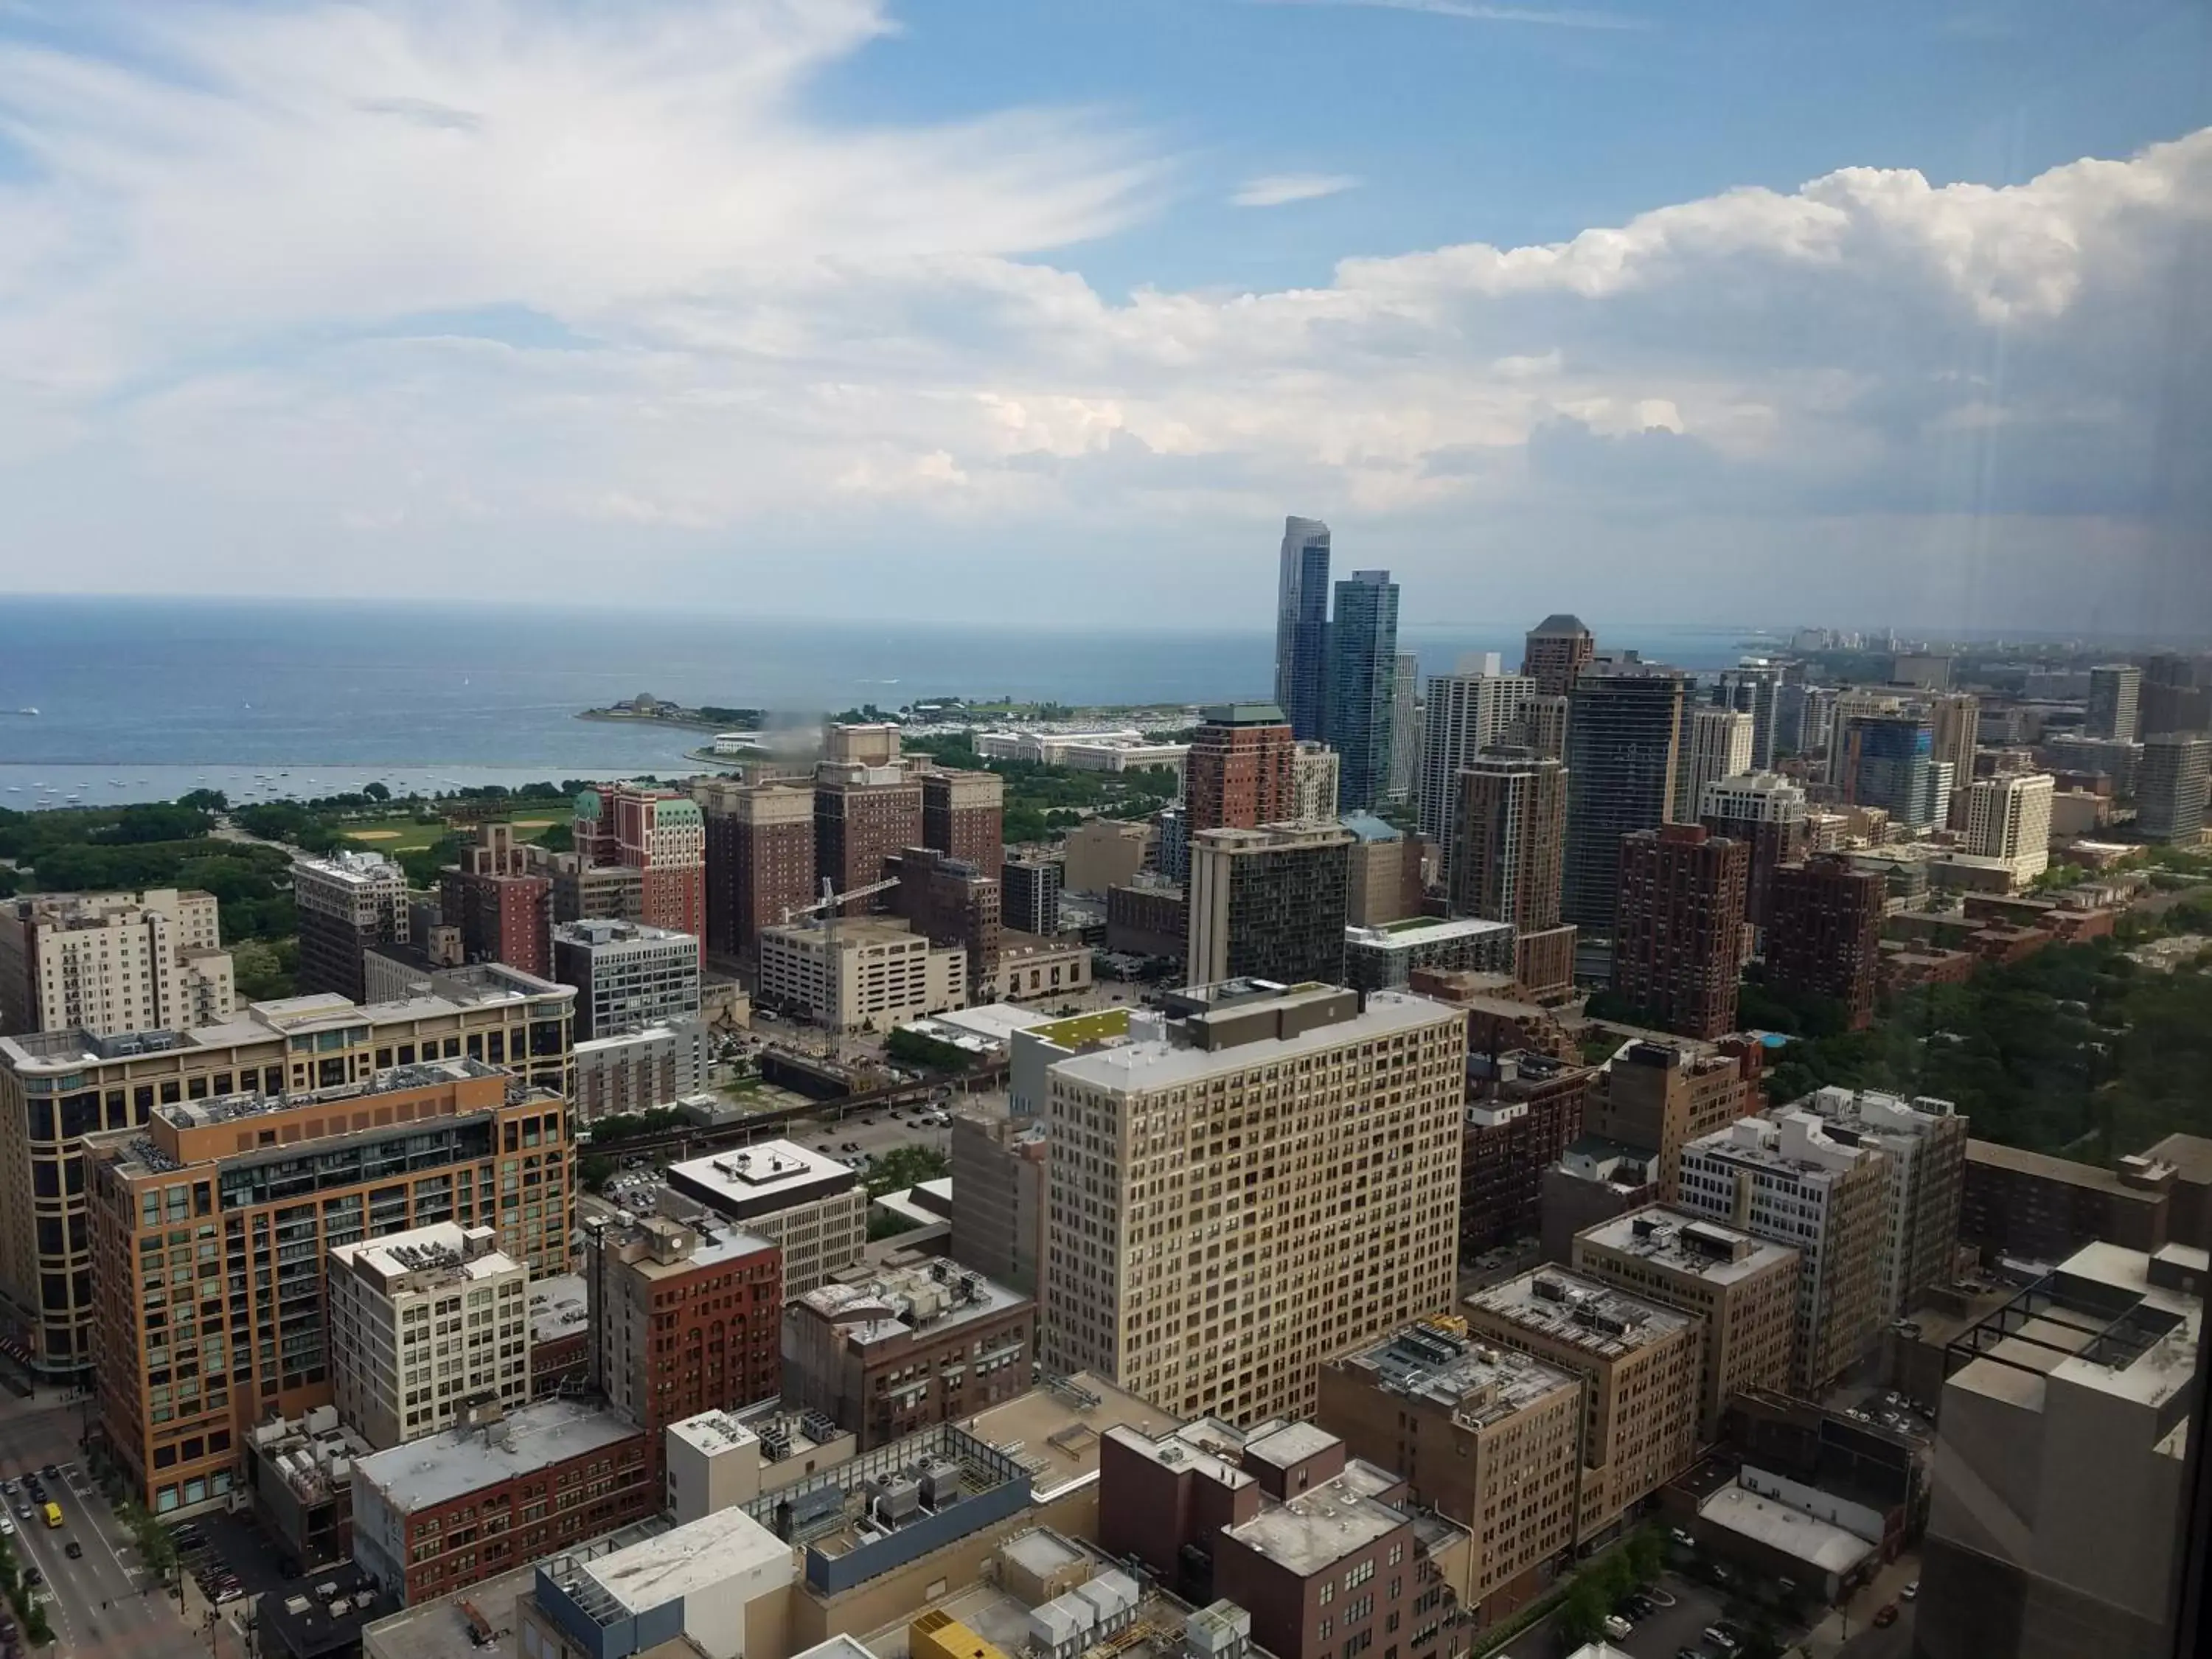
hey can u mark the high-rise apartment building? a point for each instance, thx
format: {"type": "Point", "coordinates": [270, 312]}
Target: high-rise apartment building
{"type": "Point", "coordinates": [686, 1316]}
{"type": "Point", "coordinates": [1823, 933]}
{"type": "Point", "coordinates": [1765, 812]}
{"type": "Point", "coordinates": [424, 1324]}
{"type": "Point", "coordinates": [2008, 817]}
{"type": "Point", "coordinates": [2115, 701]}
{"type": "Point", "coordinates": [1314, 786]}
{"type": "Point", "coordinates": [111, 962]}
{"type": "Point", "coordinates": [2059, 1490]}
{"type": "Point", "coordinates": [1555, 653]}
{"type": "Point", "coordinates": [1640, 1365]}
{"type": "Point", "coordinates": [1888, 761]}
{"type": "Point", "coordinates": [950, 900]}
{"type": "Point", "coordinates": [1200, 1254]}
{"type": "Point", "coordinates": [863, 817]}
{"type": "Point", "coordinates": [1029, 900]}
{"type": "Point", "coordinates": [660, 834]}
{"type": "Point", "coordinates": [1269, 904]}
{"type": "Point", "coordinates": [1624, 720]}
{"type": "Point", "coordinates": [2170, 788]}
{"type": "Point", "coordinates": [1540, 727]}
{"type": "Point", "coordinates": [1362, 668]}
{"type": "Point", "coordinates": [809, 1205]}
{"type": "Point", "coordinates": [1924, 1142]}
{"type": "Point", "coordinates": [1678, 944]}
{"type": "Point", "coordinates": [1785, 1178]}
{"type": "Point", "coordinates": [1752, 687]}
{"type": "Point", "coordinates": [1717, 743]}
{"type": "Point", "coordinates": [1467, 713]}
{"type": "Point", "coordinates": [235, 1199]}
{"type": "Point", "coordinates": [501, 900]}
{"type": "Point", "coordinates": [1508, 852]}
{"type": "Point", "coordinates": [963, 817]}
{"type": "Point", "coordinates": [1742, 1289]}
{"type": "Point", "coordinates": [1658, 1098]}
{"type": "Point", "coordinates": [1954, 724]}
{"type": "Point", "coordinates": [56, 1087]}
{"type": "Point", "coordinates": [1240, 771]}
{"type": "Point", "coordinates": [1405, 718]}
{"type": "Point", "coordinates": [628, 975]}
{"type": "Point", "coordinates": [1488, 1438]}
{"type": "Point", "coordinates": [346, 903]}
{"type": "Point", "coordinates": [1302, 628]}
{"type": "Point", "coordinates": [760, 858]}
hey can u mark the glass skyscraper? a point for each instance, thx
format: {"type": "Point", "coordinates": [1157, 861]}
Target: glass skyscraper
{"type": "Point", "coordinates": [1363, 669]}
{"type": "Point", "coordinates": [1302, 629]}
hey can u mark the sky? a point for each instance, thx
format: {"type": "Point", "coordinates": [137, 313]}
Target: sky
{"type": "Point", "coordinates": [1050, 311]}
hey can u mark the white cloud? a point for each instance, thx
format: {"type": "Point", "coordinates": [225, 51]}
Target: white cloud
{"type": "Point", "coordinates": [1470, 11]}
{"type": "Point", "coordinates": [475, 294]}
{"type": "Point", "coordinates": [1277, 189]}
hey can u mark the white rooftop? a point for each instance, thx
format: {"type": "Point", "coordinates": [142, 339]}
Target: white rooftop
{"type": "Point", "coordinates": [1821, 1544]}
{"type": "Point", "coordinates": [764, 1170]}
{"type": "Point", "coordinates": [1155, 1063]}
{"type": "Point", "coordinates": [996, 1021]}
{"type": "Point", "coordinates": [435, 1470]}
{"type": "Point", "coordinates": [713, 1432]}
{"type": "Point", "coordinates": [1686, 1244]}
{"type": "Point", "coordinates": [1404, 936]}
{"type": "Point", "coordinates": [688, 1559]}
{"type": "Point", "coordinates": [559, 1306]}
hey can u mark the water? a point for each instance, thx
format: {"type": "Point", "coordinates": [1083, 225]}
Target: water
{"type": "Point", "coordinates": [143, 700]}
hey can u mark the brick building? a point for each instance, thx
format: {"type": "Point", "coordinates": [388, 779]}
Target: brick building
{"type": "Point", "coordinates": [1659, 1097]}
{"type": "Point", "coordinates": [963, 817]}
{"type": "Point", "coordinates": [1823, 933]}
{"type": "Point", "coordinates": [951, 901]}
{"type": "Point", "coordinates": [661, 835]}
{"type": "Point", "coordinates": [863, 817]}
{"type": "Point", "coordinates": [1238, 774]}
{"type": "Point", "coordinates": [760, 858]}
{"type": "Point", "coordinates": [500, 901]}
{"type": "Point", "coordinates": [1523, 1111]}
{"type": "Point", "coordinates": [1678, 938]}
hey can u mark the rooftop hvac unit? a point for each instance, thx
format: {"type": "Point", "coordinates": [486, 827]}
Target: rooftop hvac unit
{"type": "Point", "coordinates": [816, 1501]}
{"type": "Point", "coordinates": [940, 1483]}
{"type": "Point", "coordinates": [818, 1426]}
{"type": "Point", "coordinates": [775, 1443]}
{"type": "Point", "coordinates": [1113, 1596]}
{"type": "Point", "coordinates": [1547, 1290]}
{"type": "Point", "coordinates": [1644, 1226]}
{"type": "Point", "coordinates": [896, 1501]}
{"type": "Point", "coordinates": [1223, 1631]}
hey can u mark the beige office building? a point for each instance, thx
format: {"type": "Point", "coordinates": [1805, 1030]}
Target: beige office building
{"type": "Point", "coordinates": [1103, 854]}
{"type": "Point", "coordinates": [1260, 1177]}
{"type": "Point", "coordinates": [2008, 817]}
{"type": "Point", "coordinates": [1315, 768]}
{"type": "Point", "coordinates": [1485, 1435]}
{"type": "Point", "coordinates": [422, 1323]}
{"type": "Point", "coordinates": [1659, 1096]}
{"type": "Point", "coordinates": [1716, 744]}
{"type": "Point", "coordinates": [1639, 1363]}
{"type": "Point", "coordinates": [863, 974]}
{"type": "Point", "coordinates": [111, 963]}
{"type": "Point", "coordinates": [1744, 1289]}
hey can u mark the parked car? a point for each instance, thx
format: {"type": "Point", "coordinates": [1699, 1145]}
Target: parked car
{"type": "Point", "coordinates": [1721, 1638]}
{"type": "Point", "coordinates": [53, 1472]}
{"type": "Point", "coordinates": [1617, 1628]}
{"type": "Point", "coordinates": [1681, 1538]}
{"type": "Point", "coordinates": [1886, 1616]}
{"type": "Point", "coordinates": [7, 1527]}
{"type": "Point", "coordinates": [1910, 1592]}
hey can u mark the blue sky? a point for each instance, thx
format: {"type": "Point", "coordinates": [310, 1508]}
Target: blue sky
{"type": "Point", "coordinates": [1877, 314]}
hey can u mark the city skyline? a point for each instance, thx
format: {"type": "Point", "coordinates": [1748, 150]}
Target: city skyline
{"type": "Point", "coordinates": [1091, 320]}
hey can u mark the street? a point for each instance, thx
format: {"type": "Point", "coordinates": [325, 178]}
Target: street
{"type": "Point", "coordinates": [93, 1602]}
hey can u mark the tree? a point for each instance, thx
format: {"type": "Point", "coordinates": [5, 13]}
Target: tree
{"type": "Point", "coordinates": [1646, 1554]}
{"type": "Point", "coordinates": [1581, 1617]}
{"type": "Point", "coordinates": [377, 792]}
{"type": "Point", "coordinates": [905, 1166]}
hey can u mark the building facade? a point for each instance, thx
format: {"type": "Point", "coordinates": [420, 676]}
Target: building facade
{"type": "Point", "coordinates": [1523, 1111]}
{"type": "Point", "coordinates": [1466, 714]}
{"type": "Point", "coordinates": [637, 1071]}
{"type": "Point", "coordinates": [1316, 785]}
{"type": "Point", "coordinates": [111, 962]}
{"type": "Point", "coordinates": [963, 817]}
{"type": "Point", "coordinates": [1240, 771]}
{"type": "Point", "coordinates": [1823, 933]}
{"type": "Point", "coordinates": [2170, 788]}
{"type": "Point", "coordinates": [1363, 656]}
{"type": "Point", "coordinates": [502, 902]}
{"type": "Point", "coordinates": [1556, 652]}
{"type": "Point", "coordinates": [661, 835]}
{"type": "Point", "coordinates": [953, 902]}
{"type": "Point", "coordinates": [1678, 941]}
{"type": "Point", "coordinates": [2115, 701]}
{"type": "Point", "coordinates": [1510, 848]}
{"type": "Point", "coordinates": [346, 903]}
{"type": "Point", "coordinates": [1658, 1098]}
{"type": "Point", "coordinates": [1766, 813]}
{"type": "Point", "coordinates": [628, 974]}
{"type": "Point", "coordinates": [1028, 899]}
{"type": "Point", "coordinates": [1717, 743]}
{"type": "Point", "coordinates": [811, 1207]}
{"type": "Point", "coordinates": [1302, 628]}
{"type": "Point", "coordinates": [862, 975]}
{"type": "Point", "coordinates": [2008, 817]}
{"type": "Point", "coordinates": [1268, 903]}
{"type": "Point", "coordinates": [863, 817]}
{"type": "Point", "coordinates": [1888, 761]}
{"type": "Point", "coordinates": [1624, 722]}
{"type": "Point", "coordinates": [1140, 1286]}
{"type": "Point", "coordinates": [1924, 1142]}
{"type": "Point", "coordinates": [760, 858]}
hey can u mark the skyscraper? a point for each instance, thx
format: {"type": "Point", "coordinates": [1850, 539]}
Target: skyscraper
{"type": "Point", "coordinates": [1954, 726]}
{"type": "Point", "coordinates": [2170, 788]}
{"type": "Point", "coordinates": [1888, 761]}
{"type": "Point", "coordinates": [1314, 768]}
{"type": "Point", "coordinates": [1753, 688]}
{"type": "Point", "coordinates": [1406, 714]}
{"type": "Point", "coordinates": [660, 834]}
{"type": "Point", "coordinates": [1302, 628]}
{"type": "Point", "coordinates": [1557, 650]}
{"type": "Point", "coordinates": [1363, 668]}
{"type": "Point", "coordinates": [759, 858]}
{"type": "Point", "coordinates": [1269, 904]}
{"type": "Point", "coordinates": [2008, 817]}
{"type": "Point", "coordinates": [1766, 811]}
{"type": "Point", "coordinates": [1467, 712]}
{"type": "Point", "coordinates": [1624, 719]}
{"type": "Point", "coordinates": [963, 817]}
{"type": "Point", "coordinates": [347, 903]}
{"type": "Point", "coordinates": [1510, 831]}
{"type": "Point", "coordinates": [1717, 743]}
{"type": "Point", "coordinates": [1240, 770]}
{"type": "Point", "coordinates": [1823, 933]}
{"type": "Point", "coordinates": [502, 906]}
{"type": "Point", "coordinates": [2115, 696]}
{"type": "Point", "coordinates": [1678, 943]}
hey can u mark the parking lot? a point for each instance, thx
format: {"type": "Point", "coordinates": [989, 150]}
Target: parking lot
{"type": "Point", "coordinates": [1666, 1631]}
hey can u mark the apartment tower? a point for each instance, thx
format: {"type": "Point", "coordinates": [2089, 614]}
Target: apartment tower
{"type": "Point", "coordinates": [2115, 701]}
{"type": "Point", "coordinates": [111, 962]}
{"type": "Point", "coordinates": [660, 834]}
{"type": "Point", "coordinates": [760, 858]}
{"type": "Point", "coordinates": [863, 816]}
{"type": "Point", "coordinates": [1623, 723]}
{"type": "Point", "coordinates": [2008, 817]}
{"type": "Point", "coordinates": [346, 903]}
{"type": "Point", "coordinates": [1555, 653]}
{"type": "Point", "coordinates": [963, 817]}
{"type": "Point", "coordinates": [500, 901]}
{"type": "Point", "coordinates": [1677, 945]}
{"type": "Point", "coordinates": [2170, 787]}
{"type": "Point", "coordinates": [1467, 713]}
{"type": "Point", "coordinates": [1717, 743]}
{"type": "Point", "coordinates": [1363, 656]}
{"type": "Point", "coordinates": [1823, 933]}
{"type": "Point", "coordinates": [1509, 850]}
{"type": "Point", "coordinates": [1766, 813]}
{"type": "Point", "coordinates": [1269, 904]}
{"type": "Point", "coordinates": [1240, 772]}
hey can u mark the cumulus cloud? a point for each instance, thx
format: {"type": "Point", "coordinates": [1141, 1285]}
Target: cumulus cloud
{"type": "Point", "coordinates": [465, 294]}
{"type": "Point", "coordinates": [1278, 189]}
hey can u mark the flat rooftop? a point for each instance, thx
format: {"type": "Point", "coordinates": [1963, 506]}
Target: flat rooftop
{"type": "Point", "coordinates": [1413, 932]}
{"type": "Point", "coordinates": [1820, 1544]}
{"type": "Point", "coordinates": [1580, 1311]}
{"type": "Point", "coordinates": [1077, 1029]}
{"type": "Point", "coordinates": [996, 1022]}
{"type": "Point", "coordinates": [1477, 1383]}
{"type": "Point", "coordinates": [1156, 1063]}
{"type": "Point", "coordinates": [931, 1298]}
{"type": "Point", "coordinates": [423, 1474]}
{"type": "Point", "coordinates": [1055, 1430]}
{"type": "Point", "coordinates": [687, 1560]}
{"type": "Point", "coordinates": [226, 1109]}
{"type": "Point", "coordinates": [440, 1630]}
{"type": "Point", "coordinates": [1323, 1525]}
{"type": "Point", "coordinates": [2098, 1321]}
{"type": "Point", "coordinates": [440, 1248]}
{"type": "Point", "coordinates": [769, 1174]}
{"type": "Point", "coordinates": [1686, 1244]}
{"type": "Point", "coordinates": [2042, 1166]}
{"type": "Point", "coordinates": [560, 1305]}
{"type": "Point", "coordinates": [713, 1432]}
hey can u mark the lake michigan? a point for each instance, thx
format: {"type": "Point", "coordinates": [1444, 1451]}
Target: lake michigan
{"type": "Point", "coordinates": [143, 699]}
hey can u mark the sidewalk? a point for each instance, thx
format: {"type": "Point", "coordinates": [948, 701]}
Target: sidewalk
{"type": "Point", "coordinates": [1827, 1638]}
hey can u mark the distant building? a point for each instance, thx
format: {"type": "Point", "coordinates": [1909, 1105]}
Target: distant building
{"type": "Point", "coordinates": [1823, 933]}
{"type": "Point", "coordinates": [1558, 649]}
{"type": "Point", "coordinates": [1765, 812]}
{"type": "Point", "coordinates": [1509, 858]}
{"type": "Point", "coordinates": [346, 903]}
{"type": "Point", "coordinates": [627, 975]}
{"type": "Point", "coordinates": [1888, 761]}
{"type": "Point", "coordinates": [1029, 900]}
{"type": "Point", "coordinates": [863, 816]}
{"type": "Point", "coordinates": [111, 962]}
{"type": "Point", "coordinates": [660, 834]}
{"type": "Point", "coordinates": [1788, 1180]}
{"type": "Point", "coordinates": [1101, 854]}
{"type": "Point", "coordinates": [500, 901]}
{"type": "Point", "coordinates": [963, 817]}
{"type": "Point", "coordinates": [999, 1226]}
{"type": "Point", "coordinates": [861, 743]}
{"type": "Point", "coordinates": [1659, 1097]}
{"type": "Point", "coordinates": [1717, 743]}
{"type": "Point", "coordinates": [1378, 1090]}
{"type": "Point", "coordinates": [2008, 817]}
{"type": "Point", "coordinates": [807, 1205]}
{"type": "Point", "coordinates": [1386, 957]}
{"type": "Point", "coordinates": [1033, 967]}
{"type": "Point", "coordinates": [639, 1070]}
{"type": "Point", "coordinates": [951, 902]}
{"type": "Point", "coordinates": [1678, 939]}
{"type": "Point", "coordinates": [908, 1346]}
{"type": "Point", "coordinates": [2171, 788]}
{"type": "Point", "coordinates": [2115, 699]}
{"type": "Point", "coordinates": [1624, 720]}
{"type": "Point", "coordinates": [1752, 687]}
{"type": "Point", "coordinates": [1742, 1290]}
{"type": "Point", "coordinates": [760, 858]}
{"type": "Point", "coordinates": [1955, 721]}
{"type": "Point", "coordinates": [1302, 628]}
{"type": "Point", "coordinates": [2031, 1206]}
{"type": "Point", "coordinates": [1406, 719]}
{"type": "Point", "coordinates": [1363, 651]}
{"type": "Point", "coordinates": [863, 974]}
{"type": "Point", "coordinates": [2058, 1516]}
{"type": "Point", "coordinates": [425, 1324]}
{"type": "Point", "coordinates": [1467, 713]}
{"type": "Point", "coordinates": [1640, 1367]}
{"type": "Point", "coordinates": [1376, 888]}
{"type": "Point", "coordinates": [1240, 771]}
{"type": "Point", "coordinates": [1316, 786]}
{"type": "Point", "coordinates": [1148, 918]}
{"type": "Point", "coordinates": [1523, 1111]}
{"type": "Point", "coordinates": [1268, 903]}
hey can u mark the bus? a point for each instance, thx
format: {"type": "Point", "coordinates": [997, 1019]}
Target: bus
{"type": "Point", "coordinates": [53, 1513]}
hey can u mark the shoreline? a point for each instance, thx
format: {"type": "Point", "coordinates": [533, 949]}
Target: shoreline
{"type": "Point", "coordinates": [673, 722]}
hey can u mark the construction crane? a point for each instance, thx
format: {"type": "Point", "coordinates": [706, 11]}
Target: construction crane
{"type": "Point", "coordinates": [829, 904]}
